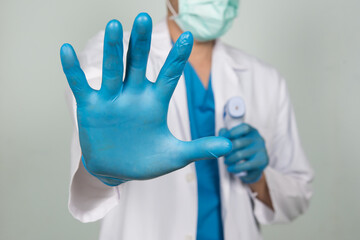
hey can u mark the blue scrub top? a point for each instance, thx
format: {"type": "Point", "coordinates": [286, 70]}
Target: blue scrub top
{"type": "Point", "coordinates": [202, 124]}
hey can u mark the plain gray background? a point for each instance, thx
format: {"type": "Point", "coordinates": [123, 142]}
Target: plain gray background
{"type": "Point", "coordinates": [314, 44]}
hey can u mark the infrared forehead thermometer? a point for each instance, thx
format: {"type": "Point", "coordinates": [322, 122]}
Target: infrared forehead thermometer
{"type": "Point", "coordinates": [234, 113]}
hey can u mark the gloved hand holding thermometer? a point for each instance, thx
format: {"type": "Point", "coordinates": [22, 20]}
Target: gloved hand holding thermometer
{"type": "Point", "coordinates": [123, 126]}
{"type": "Point", "coordinates": [248, 157]}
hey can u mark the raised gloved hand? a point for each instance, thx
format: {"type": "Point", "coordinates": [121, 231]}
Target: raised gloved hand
{"type": "Point", "coordinates": [248, 154]}
{"type": "Point", "coordinates": [123, 126]}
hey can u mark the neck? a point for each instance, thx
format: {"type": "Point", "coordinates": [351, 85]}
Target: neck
{"type": "Point", "coordinates": [201, 54]}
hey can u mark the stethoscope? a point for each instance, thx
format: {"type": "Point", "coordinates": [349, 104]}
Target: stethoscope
{"type": "Point", "coordinates": [234, 114]}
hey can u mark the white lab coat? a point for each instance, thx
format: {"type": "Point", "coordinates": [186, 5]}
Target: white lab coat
{"type": "Point", "coordinates": [165, 208]}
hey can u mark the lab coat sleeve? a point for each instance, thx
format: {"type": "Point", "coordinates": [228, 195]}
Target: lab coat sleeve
{"type": "Point", "coordinates": [289, 174]}
{"type": "Point", "coordinates": [89, 199]}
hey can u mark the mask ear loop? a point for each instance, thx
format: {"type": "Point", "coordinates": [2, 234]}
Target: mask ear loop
{"type": "Point", "coordinates": [172, 10]}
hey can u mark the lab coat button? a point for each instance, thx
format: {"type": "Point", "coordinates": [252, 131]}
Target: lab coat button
{"type": "Point", "coordinates": [190, 177]}
{"type": "Point", "coordinates": [189, 237]}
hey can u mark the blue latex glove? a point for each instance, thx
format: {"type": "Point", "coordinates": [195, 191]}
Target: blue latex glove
{"type": "Point", "coordinates": [248, 154]}
{"type": "Point", "coordinates": [123, 126]}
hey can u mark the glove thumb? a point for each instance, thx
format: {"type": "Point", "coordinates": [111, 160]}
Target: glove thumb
{"type": "Point", "coordinates": [224, 133]}
{"type": "Point", "coordinates": [206, 148]}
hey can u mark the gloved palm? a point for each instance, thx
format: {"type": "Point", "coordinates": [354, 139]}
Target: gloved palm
{"type": "Point", "coordinates": [123, 126]}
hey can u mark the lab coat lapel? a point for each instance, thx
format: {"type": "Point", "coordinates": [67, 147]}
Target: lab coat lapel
{"type": "Point", "coordinates": [227, 76]}
{"type": "Point", "coordinates": [178, 117]}
{"type": "Point", "coordinates": [179, 125]}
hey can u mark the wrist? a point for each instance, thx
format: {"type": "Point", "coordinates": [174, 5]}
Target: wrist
{"type": "Point", "coordinates": [262, 191]}
{"type": "Point", "coordinates": [109, 181]}
{"type": "Point", "coordinates": [260, 184]}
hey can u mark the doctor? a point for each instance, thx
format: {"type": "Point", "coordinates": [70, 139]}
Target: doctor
{"type": "Point", "coordinates": [133, 163]}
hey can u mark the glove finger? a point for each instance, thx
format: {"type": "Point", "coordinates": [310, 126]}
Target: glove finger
{"type": "Point", "coordinates": [240, 130]}
{"type": "Point", "coordinates": [174, 66]}
{"type": "Point", "coordinates": [252, 164]}
{"type": "Point", "coordinates": [241, 143]}
{"type": "Point", "coordinates": [138, 52]}
{"type": "Point", "coordinates": [243, 154]}
{"type": "Point", "coordinates": [113, 67]}
{"type": "Point", "coordinates": [252, 176]}
{"type": "Point", "coordinates": [74, 74]}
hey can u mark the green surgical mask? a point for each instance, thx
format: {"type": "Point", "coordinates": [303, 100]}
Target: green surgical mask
{"type": "Point", "coordinates": [205, 19]}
